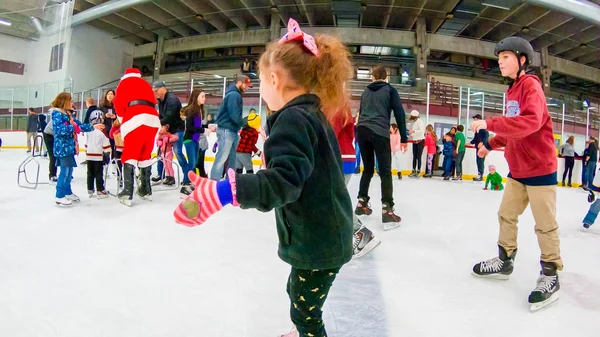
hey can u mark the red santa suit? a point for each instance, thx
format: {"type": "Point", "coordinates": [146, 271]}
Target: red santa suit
{"type": "Point", "coordinates": [135, 105]}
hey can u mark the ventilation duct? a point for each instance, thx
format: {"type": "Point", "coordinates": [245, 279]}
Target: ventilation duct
{"type": "Point", "coordinates": [581, 9]}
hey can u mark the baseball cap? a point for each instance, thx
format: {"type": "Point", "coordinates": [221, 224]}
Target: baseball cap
{"type": "Point", "coordinates": [414, 113]}
{"type": "Point", "coordinates": [478, 116]}
{"type": "Point", "coordinates": [159, 84]}
{"type": "Point", "coordinates": [247, 81]}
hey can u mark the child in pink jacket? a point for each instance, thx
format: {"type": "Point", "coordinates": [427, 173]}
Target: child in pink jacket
{"type": "Point", "coordinates": [165, 144]}
{"type": "Point", "coordinates": [395, 147]}
{"type": "Point", "coordinates": [431, 144]}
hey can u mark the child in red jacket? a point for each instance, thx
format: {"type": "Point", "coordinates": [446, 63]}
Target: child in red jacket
{"type": "Point", "coordinates": [343, 125]}
{"type": "Point", "coordinates": [247, 146]}
{"type": "Point", "coordinates": [526, 134]}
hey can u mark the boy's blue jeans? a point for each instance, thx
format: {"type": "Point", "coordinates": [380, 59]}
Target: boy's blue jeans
{"type": "Point", "coordinates": [590, 169]}
{"type": "Point", "coordinates": [447, 165]}
{"type": "Point", "coordinates": [191, 148]}
{"type": "Point", "coordinates": [592, 214]}
{"type": "Point", "coordinates": [63, 184]}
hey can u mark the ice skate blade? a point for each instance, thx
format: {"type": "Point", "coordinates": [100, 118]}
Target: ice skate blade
{"type": "Point", "coordinates": [146, 197]}
{"type": "Point", "coordinates": [367, 249]}
{"type": "Point", "coordinates": [63, 205]}
{"type": "Point", "coordinates": [501, 277]}
{"type": "Point", "coordinates": [125, 202]}
{"type": "Point", "coordinates": [390, 225]}
{"type": "Point", "coordinates": [537, 306]}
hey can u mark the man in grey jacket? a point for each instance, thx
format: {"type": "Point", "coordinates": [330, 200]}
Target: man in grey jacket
{"type": "Point", "coordinates": [373, 135]}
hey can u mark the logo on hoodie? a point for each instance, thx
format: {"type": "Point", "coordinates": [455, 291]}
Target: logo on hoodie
{"type": "Point", "coordinates": [512, 109]}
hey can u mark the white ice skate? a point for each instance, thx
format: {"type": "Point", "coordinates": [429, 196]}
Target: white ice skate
{"type": "Point", "coordinates": [390, 225]}
{"type": "Point", "coordinates": [73, 198]}
{"type": "Point", "coordinates": [63, 202]}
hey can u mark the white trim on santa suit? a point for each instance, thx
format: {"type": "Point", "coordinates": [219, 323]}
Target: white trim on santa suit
{"type": "Point", "coordinates": [131, 75]}
{"type": "Point", "coordinates": [136, 121]}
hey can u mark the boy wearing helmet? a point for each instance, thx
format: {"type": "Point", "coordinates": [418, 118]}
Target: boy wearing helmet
{"type": "Point", "coordinates": [526, 134]}
{"type": "Point", "coordinates": [97, 149]}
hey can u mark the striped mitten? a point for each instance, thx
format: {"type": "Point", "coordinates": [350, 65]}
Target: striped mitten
{"type": "Point", "coordinates": [208, 198]}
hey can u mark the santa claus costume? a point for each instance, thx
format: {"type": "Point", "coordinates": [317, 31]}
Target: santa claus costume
{"type": "Point", "coordinates": [135, 105]}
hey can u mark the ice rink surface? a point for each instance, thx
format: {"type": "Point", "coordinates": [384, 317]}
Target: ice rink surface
{"type": "Point", "coordinates": [100, 269]}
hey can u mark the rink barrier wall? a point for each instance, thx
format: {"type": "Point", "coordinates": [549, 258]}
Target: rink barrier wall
{"type": "Point", "coordinates": [18, 140]}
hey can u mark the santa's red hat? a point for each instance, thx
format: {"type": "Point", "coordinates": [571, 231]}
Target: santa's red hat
{"type": "Point", "coordinates": [131, 72]}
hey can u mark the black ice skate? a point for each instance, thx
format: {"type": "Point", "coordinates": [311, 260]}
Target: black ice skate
{"type": "Point", "coordinates": [126, 195]}
{"type": "Point", "coordinates": [389, 219]}
{"type": "Point", "coordinates": [547, 290]}
{"type": "Point", "coordinates": [145, 189]}
{"type": "Point", "coordinates": [413, 174]}
{"type": "Point", "coordinates": [498, 268]}
{"type": "Point", "coordinates": [364, 242]}
{"type": "Point", "coordinates": [363, 207]}
{"type": "Point", "coordinates": [186, 190]}
{"type": "Point", "coordinates": [478, 178]}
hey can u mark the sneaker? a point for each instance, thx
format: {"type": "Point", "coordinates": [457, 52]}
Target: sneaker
{"type": "Point", "coordinates": [363, 207]}
{"type": "Point", "coordinates": [364, 242]}
{"type": "Point", "coordinates": [499, 267]}
{"type": "Point", "coordinates": [63, 202]}
{"type": "Point", "coordinates": [102, 194]}
{"type": "Point", "coordinates": [547, 289]}
{"type": "Point", "coordinates": [185, 191]}
{"type": "Point", "coordinates": [73, 198]}
{"type": "Point", "coordinates": [293, 333]}
{"type": "Point", "coordinates": [389, 219]}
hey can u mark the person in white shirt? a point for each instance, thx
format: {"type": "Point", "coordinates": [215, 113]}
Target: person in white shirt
{"type": "Point", "coordinates": [418, 137]}
{"type": "Point", "coordinates": [98, 153]}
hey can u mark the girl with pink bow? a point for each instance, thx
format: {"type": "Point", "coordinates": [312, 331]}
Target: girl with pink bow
{"type": "Point", "coordinates": [302, 82]}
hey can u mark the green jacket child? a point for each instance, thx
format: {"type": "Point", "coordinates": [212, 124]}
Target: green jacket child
{"type": "Point", "coordinates": [494, 178]}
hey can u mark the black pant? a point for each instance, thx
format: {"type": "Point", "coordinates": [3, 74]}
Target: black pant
{"type": "Point", "coordinates": [119, 164]}
{"type": "Point", "coordinates": [112, 148]}
{"type": "Point", "coordinates": [308, 290]}
{"type": "Point", "coordinates": [370, 145]}
{"type": "Point", "coordinates": [569, 163]}
{"type": "Point", "coordinates": [418, 155]}
{"type": "Point", "coordinates": [200, 163]}
{"type": "Point", "coordinates": [49, 141]}
{"type": "Point", "coordinates": [480, 164]}
{"type": "Point", "coordinates": [95, 171]}
{"type": "Point", "coordinates": [459, 160]}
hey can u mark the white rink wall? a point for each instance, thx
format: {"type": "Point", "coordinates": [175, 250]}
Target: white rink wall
{"type": "Point", "coordinates": [18, 140]}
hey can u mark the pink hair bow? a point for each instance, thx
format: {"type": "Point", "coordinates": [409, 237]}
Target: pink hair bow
{"type": "Point", "coordinates": [294, 33]}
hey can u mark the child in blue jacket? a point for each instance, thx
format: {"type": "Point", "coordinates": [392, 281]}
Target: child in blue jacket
{"type": "Point", "coordinates": [448, 153]}
{"type": "Point", "coordinates": [66, 128]}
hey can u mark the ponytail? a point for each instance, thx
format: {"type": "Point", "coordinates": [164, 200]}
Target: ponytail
{"type": "Point", "coordinates": [325, 75]}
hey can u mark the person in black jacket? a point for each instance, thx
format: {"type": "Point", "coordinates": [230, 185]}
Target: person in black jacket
{"type": "Point", "coordinates": [373, 135]}
{"type": "Point", "coordinates": [591, 160]}
{"type": "Point", "coordinates": [169, 108]}
{"type": "Point", "coordinates": [304, 180]}
{"type": "Point", "coordinates": [480, 137]}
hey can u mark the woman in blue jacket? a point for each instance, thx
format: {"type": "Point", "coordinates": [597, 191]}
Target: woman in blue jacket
{"type": "Point", "coordinates": [66, 128]}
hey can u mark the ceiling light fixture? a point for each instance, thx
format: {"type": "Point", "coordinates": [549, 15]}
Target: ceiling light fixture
{"type": "Point", "coordinates": [525, 29]}
{"type": "Point", "coordinates": [274, 9]}
{"type": "Point", "coordinates": [583, 46]}
{"type": "Point", "coordinates": [199, 17]}
{"type": "Point", "coordinates": [449, 16]}
{"type": "Point", "coordinates": [5, 22]}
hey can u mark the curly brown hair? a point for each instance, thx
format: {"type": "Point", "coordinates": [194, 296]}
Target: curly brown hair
{"type": "Point", "coordinates": [324, 75]}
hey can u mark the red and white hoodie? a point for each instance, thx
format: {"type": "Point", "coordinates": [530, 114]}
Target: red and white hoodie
{"type": "Point", "coordinates": [96, 145]}
{"type": "Point", "coordinates": [343, 126]}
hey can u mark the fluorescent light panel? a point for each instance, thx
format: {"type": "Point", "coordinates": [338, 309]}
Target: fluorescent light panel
{"type": "Point", "coordinates": [5, 22]}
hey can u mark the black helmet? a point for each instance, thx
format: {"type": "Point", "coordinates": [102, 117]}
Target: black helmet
{"type": "Point", "coordinates": [517, 45]}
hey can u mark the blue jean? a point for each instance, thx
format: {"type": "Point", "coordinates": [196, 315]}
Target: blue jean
{"type": "Point", "coordinates": [447, 165]}
{"type": "Point", "coordinates": [228, 142]}
{"type": "Point", "coordinates": [357, 167]}
{"type": "Point", "coordinates": [191, 148]}
{"type": "Point", "coordinates": [63, 184]}
{"type": "Point", "coordinates": [178, 152]}
{"type": "Point", "coordinates": [592, 214]}
{"type": "Point", "coordinates": [590, 168]}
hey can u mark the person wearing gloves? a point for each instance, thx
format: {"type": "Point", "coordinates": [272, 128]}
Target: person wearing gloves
{"type": "Point", "coordinates": [418, 137]}
{"type": "Point", "coordinates": [526, 133]}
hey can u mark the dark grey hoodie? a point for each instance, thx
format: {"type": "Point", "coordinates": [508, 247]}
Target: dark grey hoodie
{"type": "Point", "coordinates": [376, 105]}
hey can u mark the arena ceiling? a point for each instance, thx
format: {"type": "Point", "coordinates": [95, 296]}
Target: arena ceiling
{"type": "Point", "coordinates": [565, 36]}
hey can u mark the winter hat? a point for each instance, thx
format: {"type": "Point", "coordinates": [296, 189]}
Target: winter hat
{"type": "Point", "coordinates": [254, 120]}
{"type": "Point", "coordinates": [414, 113]}
{"type": "Point", "coordinates": [131, 72]}
{"type": "Point", "coordinates": [491, 167]}
{"type": "Point", "coordinates": [96, 117]}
